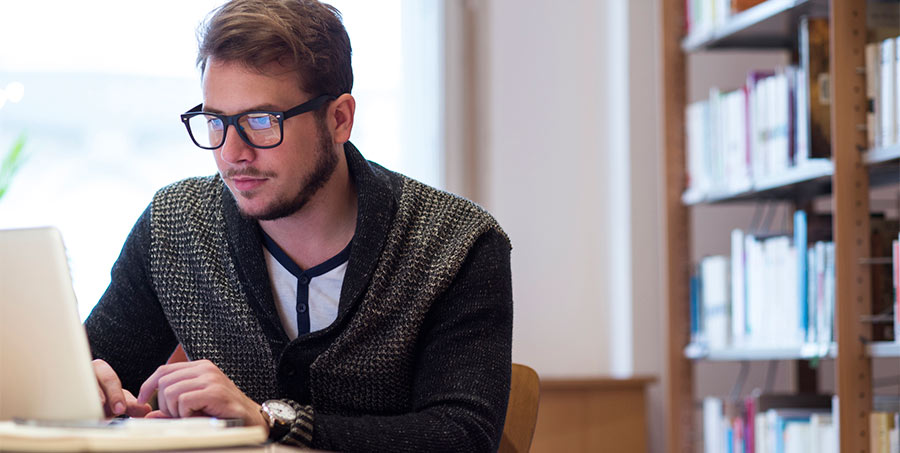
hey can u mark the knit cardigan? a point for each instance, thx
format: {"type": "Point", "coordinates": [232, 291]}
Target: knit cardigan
{"type": "Point", "coordinates": [418, 358]}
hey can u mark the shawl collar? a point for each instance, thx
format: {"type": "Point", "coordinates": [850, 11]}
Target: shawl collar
{"type": "Point", "coordinates": [377, 193]}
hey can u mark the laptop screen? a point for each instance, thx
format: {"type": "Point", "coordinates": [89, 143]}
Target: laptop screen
{"type": "Point", "coordinates": [45, 362]}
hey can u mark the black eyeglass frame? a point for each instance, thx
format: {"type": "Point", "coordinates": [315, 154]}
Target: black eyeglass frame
{"type": "Point", "coordinates": [232, 120]}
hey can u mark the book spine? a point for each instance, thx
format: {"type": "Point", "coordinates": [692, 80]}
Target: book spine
{"type": "Point", "coordinates": [896, 260]}
{"type": "Point", "coordinates": [872, 88]}
{"type": "Point", "coordinates": [738, 289]}
{"type": "Point", "coordinates": [802, 287]}
{"type": "Point", "coordinates": [896, 73]}
{"type": "Point", "coordinates": [887, 92]}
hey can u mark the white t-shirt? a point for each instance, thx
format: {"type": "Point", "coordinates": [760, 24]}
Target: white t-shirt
{"type": "Point", "coordinates": [306, 300]}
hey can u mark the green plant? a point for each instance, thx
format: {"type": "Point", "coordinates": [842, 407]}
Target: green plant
{"type": "Point", "coordinates": [11, 163]}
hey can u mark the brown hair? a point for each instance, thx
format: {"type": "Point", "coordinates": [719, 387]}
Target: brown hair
{"type": "Point", "coordinates": [304, 35]}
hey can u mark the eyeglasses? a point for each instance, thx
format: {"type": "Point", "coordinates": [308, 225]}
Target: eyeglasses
{"type": "Point", "coordinates": [257, 128]}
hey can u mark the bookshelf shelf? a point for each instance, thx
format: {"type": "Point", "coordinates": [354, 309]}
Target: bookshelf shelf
{"type": "Point", "coordinates": [884, 349]}
{"type": "Point", "coordinates": [808, 180]}
{"type": "Point", "coordinates": [767, 25]}
{"type": "Point", "coordinates": [887, 155]}
{"type": "Point", "coordinates": [804, 352]}
{"type": "Point", "coordinates": [883, 164]}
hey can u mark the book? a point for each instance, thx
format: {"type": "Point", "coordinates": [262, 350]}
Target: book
{"type": "Point", "coordinates": [741, 5]}
{"type": "Point", "coordinates": [821, 436]}
{"type": "Point", "coordinates": [759, 434]}
{"type": "Point", "coordinates": [880, 426]}
{"type": "Point", "coordinates": [814, 61]}
{"type": "Point", "coordinates": [887, 97]}
{"type": "Point", "coordinates": [738, 289]}
{"type": "Point", "coordinates": [715, 301]}
{"type": "Point", "coordinates": [713, 432]}
{"type": "Point", "coordinates": [873, 88]}
{"type": "Point", "coordinates": [896, 260]}
{"type": "Point", "coordinates": [800, 241]}
{"type": "Point", "coordinates": [896, 112]}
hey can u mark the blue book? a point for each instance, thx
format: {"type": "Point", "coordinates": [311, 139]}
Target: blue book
{"type": "Point", "coordinates": [800, 239]}
{"type": "Point", "coordinates": [695, 307]}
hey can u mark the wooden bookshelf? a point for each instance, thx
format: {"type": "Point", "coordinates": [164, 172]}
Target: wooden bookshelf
{"type": "Point", "coordinates": [848, 178]}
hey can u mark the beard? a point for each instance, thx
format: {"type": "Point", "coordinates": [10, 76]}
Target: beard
{"type": "Point", "coordinates": [326, 163]}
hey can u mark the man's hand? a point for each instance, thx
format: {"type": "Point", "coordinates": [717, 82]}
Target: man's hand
{"type": "Point", "coordinates": [185, 389]}
{"type": "Point", "coordinates": [115, 400]}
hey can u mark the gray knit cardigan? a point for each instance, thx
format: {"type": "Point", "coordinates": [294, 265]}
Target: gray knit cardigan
{"type": "Point", "coordinates": [418, 358]}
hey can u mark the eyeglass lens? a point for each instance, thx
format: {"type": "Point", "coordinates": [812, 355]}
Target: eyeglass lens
{"type": "Point", "coordinates": [260, 129]}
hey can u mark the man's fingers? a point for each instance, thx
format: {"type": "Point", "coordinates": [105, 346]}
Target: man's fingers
{"type": "Point", "coordinates": [110, 387]}
{"type": "Point", "coordinates": [192, 403]}
{"type": "Point", "coordinates": [135, 409]}
{"type": "Point", "coordinates": [156, 414]}
{"type": "Point", "coordinates": [152, 383]}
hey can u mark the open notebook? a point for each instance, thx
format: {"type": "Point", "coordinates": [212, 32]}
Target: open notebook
{"type": "Point", "coordinates": [49, 399]}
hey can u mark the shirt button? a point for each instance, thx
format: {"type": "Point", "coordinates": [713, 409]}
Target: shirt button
{"type": "Point", "coordinates": [303, 280]}
{"type": "Point", "coordinates": [301, 308]}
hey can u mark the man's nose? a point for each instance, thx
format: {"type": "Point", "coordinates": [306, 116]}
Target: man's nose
{"type": "Point", "coordinates": [235, 150]}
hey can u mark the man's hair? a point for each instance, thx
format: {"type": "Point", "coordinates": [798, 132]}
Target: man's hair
{"type": "Point", "coordinates": [304, 35]}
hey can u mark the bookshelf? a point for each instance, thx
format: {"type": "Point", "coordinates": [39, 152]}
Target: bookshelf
{"type": "Point", "coordinates": [847, 177]}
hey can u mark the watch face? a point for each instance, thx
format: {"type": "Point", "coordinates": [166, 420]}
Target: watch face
{"type": "Point", "coordinates": [281, 410]}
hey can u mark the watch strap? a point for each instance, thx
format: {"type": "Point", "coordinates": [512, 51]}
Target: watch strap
{"type": "Point", "coordinates": [300, 433]}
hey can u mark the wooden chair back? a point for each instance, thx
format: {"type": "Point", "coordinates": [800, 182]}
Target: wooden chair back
{"type": "Point", "coordinates": [521, 413]}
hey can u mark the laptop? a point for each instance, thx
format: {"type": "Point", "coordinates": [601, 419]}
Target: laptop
{"type": "Point", "coordinates": [47, 385]}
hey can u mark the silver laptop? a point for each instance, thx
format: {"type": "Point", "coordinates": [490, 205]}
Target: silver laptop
{"type": "Point", "coordinates": [47, 383]}
{"type": "Point", "coordinates": [45, 362]}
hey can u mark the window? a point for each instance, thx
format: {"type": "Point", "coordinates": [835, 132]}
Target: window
{"type": "Point", "coordinates": [105, 81]}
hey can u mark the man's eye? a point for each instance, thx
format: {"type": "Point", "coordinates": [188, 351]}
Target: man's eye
{"type": "Point", "coordinates": [260, 122]}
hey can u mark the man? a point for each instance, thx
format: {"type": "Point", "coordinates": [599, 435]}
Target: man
{"type": "Point", "coordinates": [341, 305]}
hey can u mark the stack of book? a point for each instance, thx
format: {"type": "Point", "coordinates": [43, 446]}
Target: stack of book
{"type": "Point", "coordinates": [778, 120]}
{"type": "Point", "coordinates": [769, 423]}
{"type": "Point", "coordinates": [779, 291]}
{"type": "Point", "coordinates": [787, 423]}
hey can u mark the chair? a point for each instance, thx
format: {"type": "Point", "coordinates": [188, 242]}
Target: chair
{"type": "Point", "coordinates": [178, 355]}
{"type": "Point", "coordinates": [521, 413]}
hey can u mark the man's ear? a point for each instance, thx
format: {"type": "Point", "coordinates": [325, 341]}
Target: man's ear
{"type": "Point", "coordinates": [340, 117]}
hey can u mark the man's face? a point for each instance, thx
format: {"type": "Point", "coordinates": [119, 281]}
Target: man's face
{"type": "Point", "coordinates": [268, 184]}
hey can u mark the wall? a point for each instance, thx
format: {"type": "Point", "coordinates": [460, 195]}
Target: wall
{"type": "Point", "coordinates": [552, 124]}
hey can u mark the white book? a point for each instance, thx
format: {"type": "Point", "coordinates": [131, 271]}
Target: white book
{"type": "Point", "coordinates": [762, 131]}
{"type": "Point", "coordinates": [781, 108]}
{"type": "Point", "coordinates": [697, 137]}
{"type": "Point", "coordinates": [896, 73]}
{"type": "Point", "coordinates": [756, 283]}
{"type": "Point", "coordinates": [715, 300]}
{"type": "Point", "coordinates": [717, 144]}
{"type": "Point", "coordinates": [713, 438]}
{"type": "Point", "coordinates": [797, 437]}
{"type": "Point", "coordinates": [801, 122]}
{"type": "Point", "coordinates": [888, 85]}
{"type": "Point", "coordinates": [761, 434]}
{"type": "Point", "coordinates": [873, 74]}
{"type": "Point", "coordinates": [821, 434]}
{"type": "Point", "coordinates": [738, 289]}
{"type": "Point", "coordinates": [829, 292]}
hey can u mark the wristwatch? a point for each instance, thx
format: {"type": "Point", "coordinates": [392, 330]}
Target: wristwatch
{"type": "Point", "coordinates": [279, 415]}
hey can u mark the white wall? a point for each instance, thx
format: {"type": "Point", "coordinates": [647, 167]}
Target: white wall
{"type": "Point", "coordinates": [553, 125]}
